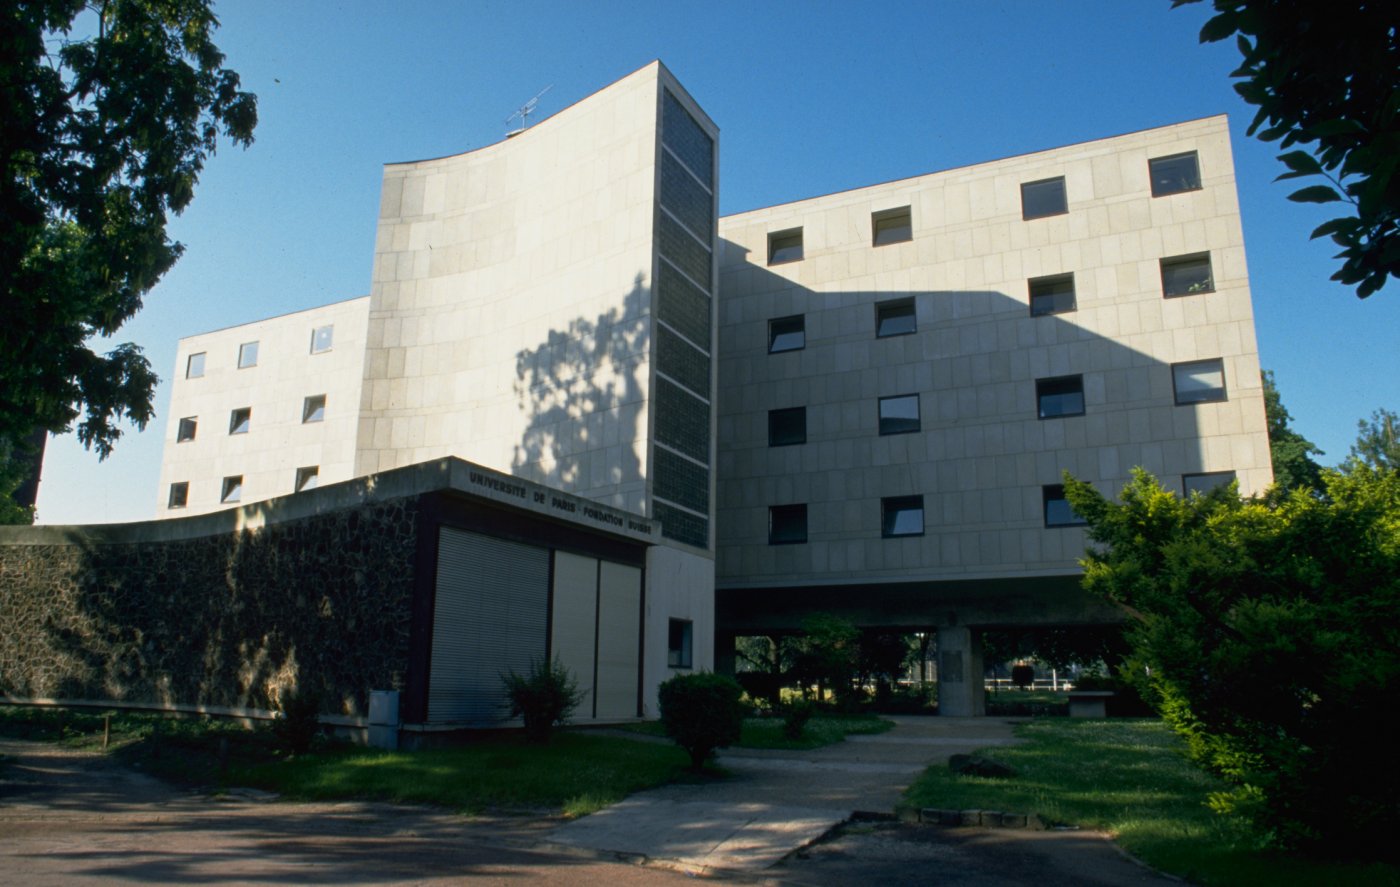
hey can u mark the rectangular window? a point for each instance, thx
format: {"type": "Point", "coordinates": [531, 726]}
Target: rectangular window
{"type": "Point", "coordinates": [233, 489]}
{"type": "Point", "coordinates": [679, 639]}
{"type": "Point", "coordinates": [902, 516]}
{"type": "Point", "coordinates": [321, 338]}
{"type": "Point", "coordinates": [787, 334]}
{"type": "Point", "coordinates": [899, 414]}
{"type": "Point", "coordinates": [240, 420]}
{"type": "Point", "coordinates": [892, 226]}
{"type": "Point", "coordinates": [895, 319]}
{"type": "Point", "coordinates": [179, 495]}
{"type": "Point", "coordinates": [307, 478]}
{"type": "Point", "coordinates": [247, 355]}
{"type": "Point", "coordinates": [787, 427]}
{"type": "Point", "coordinates": [1187, 275]}
{"type": "Point", "coordinates": [785, 246]}
{"type": "Point", "coordinates": [313, 409]}
{"type": "Point", "coordinates": [1175, 174]}
{"type": "Point", "coordinates": [1058, 512]}
{"type": "Point", "coordinates": [188, 427]}
{"type": "Point", "coordinates": [1061, 396]}
{"type": "Point", "coordinates": [1199, 381]}
{"type": "Point", "coordinates": [787, 524]}
{"type": "Point", "coordinates": [1043, 198]}
{"type": "Point", "coordinates": [194, 366]}
{"type": "Point", "coordinates": [1052, 295]}
{"type": "Point", "coordinates": [1204, 483]}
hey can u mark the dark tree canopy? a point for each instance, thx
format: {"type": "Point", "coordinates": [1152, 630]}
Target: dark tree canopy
{"type": "Point", "coordinates": [1327, 76]}
{"type": "Point", "coordinates": [103, 137]}
{"type": "Point", "coordinates": [1291, 453]}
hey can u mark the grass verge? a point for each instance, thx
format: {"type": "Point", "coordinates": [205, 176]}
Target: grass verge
{"type": "Point", "coordinates": [1131, 779]}
{"type": "Point", "coordinates": [768, 732]}
{"type": "Point", "coordinates": [575, 773]}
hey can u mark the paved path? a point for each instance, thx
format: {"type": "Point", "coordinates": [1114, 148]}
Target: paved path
{"type": "Point", "coordinates": [69, 817]}
{"type": "Point", "coordinates": [777, 801]}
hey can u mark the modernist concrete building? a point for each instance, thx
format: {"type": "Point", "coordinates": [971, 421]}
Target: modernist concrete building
{"type": "Point", "coordinates": [903, 372]}
{"type": "Point", "coordinates": [906, 370]}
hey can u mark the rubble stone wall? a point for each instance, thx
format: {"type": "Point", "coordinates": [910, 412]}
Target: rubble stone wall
{"type": "Point", "coordinates": [235, 619]}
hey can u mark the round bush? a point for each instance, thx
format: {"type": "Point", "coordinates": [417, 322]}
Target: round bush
{"type": "Point", "coordinates": [702, 712]}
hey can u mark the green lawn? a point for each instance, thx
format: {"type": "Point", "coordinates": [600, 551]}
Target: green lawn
{"type": "Point", "coordinates": [575, 772]}
{"type": "Point", "coordinates": [768, 732]}
{"type": "Point", "coordinates": [1130, 778]}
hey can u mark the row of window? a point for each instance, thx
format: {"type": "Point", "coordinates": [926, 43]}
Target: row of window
{"type": "Point", "coordinates": [240, 421]}
{"type": "Point", "coordinates": [904, 515]}
{"type": "Point", "coordinates": [1193, 382]}
{"type": "Point", "coordinates": [1174, 174]}
{"type": "Point", "coordinates": [1181, 276]}
{"type": "Point", "coordinates": [231, 489]}
{"type": "Point", "coordinates": [321, 339]}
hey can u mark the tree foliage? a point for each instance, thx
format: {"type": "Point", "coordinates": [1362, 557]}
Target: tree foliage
{"type": "Point", "coordinates": [1290, 452]}
{"type": "Point", "coordinates": [1327, 76]}
{"type": "Point", "coordinates": [103, 137]}
{"type": "Point", "coordinates": [1378, 441]}
{"type": "Point", "coordinates": [1270, 635]}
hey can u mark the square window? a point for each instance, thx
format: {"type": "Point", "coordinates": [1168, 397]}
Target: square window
{"type": "Point", "coordinates": [313, 409]}
{"type": "Point", "coordinates": [1187, 275]}
{"type": "Point", "coordinates": [188, 426]}
{"type": "Point", "coordinates": [307, 478]}
{"type": "Point", "coordinates": [1043, 198]}
{"type": "Point", "coordinates": [194, 366]}
{"type": "Point", "coordinates": [247, 355]}
{"type": "Point", "coordinates": [321, 338]}
{"type": "Point", "coordinates": [1058, 512]}
{"type": "Point", "coordinates": [902, 516]}
{"type": "Point", "coordinates": [787, 524]}
{"type": "Point", "coordinates": [895, 319]}
{"type": "Point", "coordinates": [1174, 174]}
{"type": "Point", "coordinates": [1062, 396]}
{"type": "Point", "coordinates": [240, 420]}
{"type": "Point", "coordinates": [1052, 295]}
{"type": "Point", "coordinates": [785, 246]}
{"type": "Point", "coordinates": [787, 427]}
{"type": "Point", "coordinates": [899, 414]}
{"type": "Point", "coordinates": [787, 334]}
{"type": "Point", "coordinates": [179, 495]}
{"type": "Point", "coordinates": [1202, 484]}
{"type": "Point", "coordinates": [1199, 381]}
{"type": "Point", "coordinates": [679, 638]}
{"type": "Point", "coordinates": [233, 489]}
{"type": "Point", "coordinates": [892, 226]}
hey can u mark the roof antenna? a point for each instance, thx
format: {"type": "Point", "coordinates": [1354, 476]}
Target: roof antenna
{"type": "Point", "coordinates": [524, 111]}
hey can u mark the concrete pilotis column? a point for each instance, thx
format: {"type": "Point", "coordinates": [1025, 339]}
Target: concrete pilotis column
{"type": "Point", "coordinates": [960, 689]}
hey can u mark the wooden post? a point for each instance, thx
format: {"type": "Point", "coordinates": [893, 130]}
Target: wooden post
{"type": "Point", "coordinates": [106, 731]}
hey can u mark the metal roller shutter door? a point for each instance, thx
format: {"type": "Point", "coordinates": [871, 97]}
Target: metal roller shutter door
{"type": "Point", "coordinates": [490, 616]}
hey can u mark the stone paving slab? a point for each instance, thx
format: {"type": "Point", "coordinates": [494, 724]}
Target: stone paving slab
{"type": "Point", "coordinates": [700, 836]}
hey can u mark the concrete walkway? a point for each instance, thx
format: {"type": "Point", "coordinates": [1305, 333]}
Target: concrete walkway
{"type": "Point", "coordinates": [777, 801]}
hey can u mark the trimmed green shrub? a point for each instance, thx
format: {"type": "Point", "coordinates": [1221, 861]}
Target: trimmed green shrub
{"type": "Point", "coordinates": [702, 712]}
{"type": "Point", "coordinates": [544, 698]}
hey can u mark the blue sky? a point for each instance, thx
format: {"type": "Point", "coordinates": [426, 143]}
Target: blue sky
{"type": "Point", "coordinates": [810, 98]}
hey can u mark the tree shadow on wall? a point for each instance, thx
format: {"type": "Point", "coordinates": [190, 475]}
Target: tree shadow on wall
{"type": "Point", "coordinates": [582, 393]}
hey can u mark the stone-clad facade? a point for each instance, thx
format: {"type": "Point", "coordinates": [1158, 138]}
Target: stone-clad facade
{"type": "Point", "coordinates": [226, 620]}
